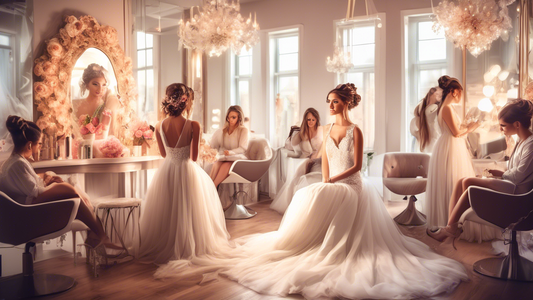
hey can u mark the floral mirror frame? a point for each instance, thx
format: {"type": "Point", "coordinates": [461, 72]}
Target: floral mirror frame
{"type": "Point", "coordinates": [54, 69]}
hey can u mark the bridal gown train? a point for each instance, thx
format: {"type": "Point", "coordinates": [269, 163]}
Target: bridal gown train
{"type": "Point", "coordinates": [335, 240]}
{"type": "Point", "coordinates": [182, 216]}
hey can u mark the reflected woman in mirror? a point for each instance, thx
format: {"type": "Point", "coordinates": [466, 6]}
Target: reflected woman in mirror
{"type": "Point", "coordinates": [99, 106]}
{"type": "Point", "coordinates": [231, 141]}
{"type": "Point", "coordinates": [20, 182]}
{"type": "Point", "coordinates": [182, 217]}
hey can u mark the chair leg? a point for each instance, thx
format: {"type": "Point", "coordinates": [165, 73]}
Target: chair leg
{"type": "Point", "coordinates": [74, 250]}
{"type": "Point", "coordinates": [237, 210]}
{"type": "Point", "coordinates": [511, 266]}
{"type": "Point", "coordinates": [411, 216]}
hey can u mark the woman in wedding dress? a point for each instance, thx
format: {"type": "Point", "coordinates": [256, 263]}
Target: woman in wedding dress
{"type": "Point", "coordinates": [336, 238]}
{"type": "Point", "coordinates": [450, 160]}
{"type": "Point", "coordinates": [307, 144]}
{"type": "Point", "coordinates": [182, 216]}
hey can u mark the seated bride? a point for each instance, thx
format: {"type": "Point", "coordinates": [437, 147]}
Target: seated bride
{"type": "Point", "coordinates": [95, 113]}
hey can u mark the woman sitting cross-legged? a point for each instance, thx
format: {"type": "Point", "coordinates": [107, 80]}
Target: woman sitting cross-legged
{"type": "Point", "coordinates": [514, 118]}
{"type": "Point", "coordinates": [20, 182]}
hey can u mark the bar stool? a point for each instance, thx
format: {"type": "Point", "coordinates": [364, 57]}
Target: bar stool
{"type": "Point", "coordinates": [119, 210]}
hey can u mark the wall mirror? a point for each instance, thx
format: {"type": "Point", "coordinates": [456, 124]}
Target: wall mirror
{"type": "Point", "coordinates": [79, 43]}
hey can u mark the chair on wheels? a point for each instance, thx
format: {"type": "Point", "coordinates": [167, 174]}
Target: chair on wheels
{"type": "Point", "coordinates": [406, 174]}
{"type": "Point", "coordinates": [30, 224]}
{"type": "Point", "coordinates": [509, 211]}
{"type": "Point", "coordinates": [247, 171]}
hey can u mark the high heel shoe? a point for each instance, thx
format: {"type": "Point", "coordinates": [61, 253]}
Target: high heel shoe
{"type": "Point", "coordinates": [442, 233]}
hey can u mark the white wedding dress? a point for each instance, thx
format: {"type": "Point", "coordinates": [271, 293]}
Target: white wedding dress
{"type": "Point", "coordinates": [182, 217]}
{"type": "Point", "coordinates": [335, 240]}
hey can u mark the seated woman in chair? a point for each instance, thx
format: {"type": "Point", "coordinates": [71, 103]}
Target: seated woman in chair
{"type": "Point", "coordinates": [231, 141]}
{"type": "Point", "coordinates": [514, 118]}
{"type": "Point", "coordinates": [20, 182]}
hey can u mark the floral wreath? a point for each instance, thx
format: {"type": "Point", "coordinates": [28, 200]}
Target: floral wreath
{"type": "Point", "coordinates": [54, 68]}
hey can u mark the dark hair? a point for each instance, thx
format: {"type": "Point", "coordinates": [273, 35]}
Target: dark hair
{"type": "Point", "coordinates": [518, 110]}
{"type": "Point", "coordinates": [22, 131]}
{"type": "Point", "coordinates": [172, 104]}
{"type": "Point", "coordinates": [304, 128]}
{"type": "Point", "coordinates": [422, 124]}
{"type": "Point", "coordinates": [348, 94]}
{"type": "Point", "coordinates": [240, 120]}
{"type": "Point", "coordinates": [448, 85]}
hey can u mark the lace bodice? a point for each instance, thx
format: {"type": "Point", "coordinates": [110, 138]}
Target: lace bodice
{"type": "Point", "coordinates": [176, 154]}
{"type": "Point", "coordinates": [340, 158]}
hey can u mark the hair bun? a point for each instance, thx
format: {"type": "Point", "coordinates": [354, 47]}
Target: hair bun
{"type": "Point", "coordinates": [15, 124]}
{"type": "Point", "coordinates": [356, 98]}
{"type": "Point", "coordinates": [444, 81]}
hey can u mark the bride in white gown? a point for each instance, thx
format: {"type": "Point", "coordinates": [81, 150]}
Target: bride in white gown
{"type": "Point", "coordinates": [182, 216]}
{"type": "Point", "coordinates": [336, 238]}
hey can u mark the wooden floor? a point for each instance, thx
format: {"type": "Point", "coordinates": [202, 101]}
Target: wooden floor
{"type": "Point", "coordinates": [133, 280]}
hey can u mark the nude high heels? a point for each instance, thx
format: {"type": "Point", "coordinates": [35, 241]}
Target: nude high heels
{"type": "Point", "coordinates": [442, 233]}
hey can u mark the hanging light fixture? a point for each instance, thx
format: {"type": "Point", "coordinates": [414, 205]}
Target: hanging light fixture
{"type": "Point", "coordinates": [217, 27]}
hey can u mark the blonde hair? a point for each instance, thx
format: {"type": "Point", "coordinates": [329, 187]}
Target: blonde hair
{"type": "Point", "coordinates": [240, 120]}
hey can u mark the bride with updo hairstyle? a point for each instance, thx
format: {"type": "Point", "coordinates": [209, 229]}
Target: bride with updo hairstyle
{"type": "Point", "coordinates": [20, 182]}
{"type": "Point", "coordinates": [450, 160]}
{"type": "Point", "coordinates": [336, 239]}
{"type": "Point", "coordinates": [182, 217]}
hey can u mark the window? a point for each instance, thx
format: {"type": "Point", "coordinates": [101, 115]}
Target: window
{"type": "Point", "coordinates": [285, 62]}
{"type": "Point", "coordinates": [7, 64]}
{"type": "Point", "coordinates": [146, 105]}
{"type": "Point", "coordinates": [243, 81]}
{"type": "Point", "coordinates": [426, 60]}
{"type": "Point", "coordinates": [359, 38]}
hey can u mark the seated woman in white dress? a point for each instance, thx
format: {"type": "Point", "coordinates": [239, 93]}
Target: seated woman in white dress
{"type": "Point", "coordinates": [336, 239]}
{"type": "Point", "coordinates": [182, 217]}
{"type": "Point", "coordinates": [427, 128]}
{"type": "Point", "coordinates": [515, 118]}
{"type": "Point", "coordinates": [231, 141]}
{"type": "Point", "coordinates": [307, 144]}
{"type": "Point", "coordinates": [20, 182]}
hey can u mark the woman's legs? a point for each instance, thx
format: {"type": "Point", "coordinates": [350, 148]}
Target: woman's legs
{"type": "Point", "coordinates": [223, 172]}
{"type": "Point", "coordinates": [458, 190]}
{"type": "Point", "coordinates": [214, 170]}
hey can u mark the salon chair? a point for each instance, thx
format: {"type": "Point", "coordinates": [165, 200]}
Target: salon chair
{"type": "Point", "coordinates": [31, 224]}
{"type": "Point", "coordinates": [247, 171]}
{"type": "Point", "coordinates": [506, 211]}
{"type": "Point", "coordinates": [406, 174]}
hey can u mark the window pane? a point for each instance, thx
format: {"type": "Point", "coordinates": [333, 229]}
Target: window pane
{"type": "Point", "coordinates": [245, 65]}
{"type": "Point", "coordinates": [427, 80]}
{"type": "Point", "coordinates": [431, 50]}
{"type": "Point", "coordinates": [140, 40]}
{"type": "Point", "coordinates": [287, 106]}
{"type": "Point", "coordinates": [288, 45]}
{"type": "Point", "coordinates": [4, 40]}
{"type": "Point", "coordinates": [245, 52]}
{"type": "Point", "coordinates": [149, 40]}
{"type": "Point", "coordinates": [141, 58]}
{"type": "Point", "coordinates": [141, 85]}
{"type": "Point", "coordinates": [363, 35]}
{"type": "Point", "coordinates": [425, 31]}
{"type": "Point", "coordinates": [244, 96]}
{"type": "Point", "coordinates": [288, 62]}
{"type": "Point", "coordinates": [363, 55]}
{"type": "Point", "coordinates": [149, 57]}
{"type": "Point", "coordinates": [364, 114]}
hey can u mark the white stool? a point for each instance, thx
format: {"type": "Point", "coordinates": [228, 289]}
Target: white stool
{"type": "Point", "coordinates": [111, 209]}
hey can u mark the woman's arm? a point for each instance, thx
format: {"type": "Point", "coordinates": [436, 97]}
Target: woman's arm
{"type": "Point", "coordinates": [325, 164]}
{"type": "Point", "coordinates": [195, 140]}
{"type": "Point", "coordinates": [159, 140]}
{"type": "Point", "coordinates": [357, 156]}
{"type": "Point", "coordinates": [23, 178]}
{"type": "Point", "coordinates": [451, 122]}
{"type": "Point", "coordinates": [243, 142]}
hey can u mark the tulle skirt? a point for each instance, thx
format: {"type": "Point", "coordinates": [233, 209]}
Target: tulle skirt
{"type": "Point", "coordinates": [333, 241]}
{"type": "Point", "coordinates": [182, 216]}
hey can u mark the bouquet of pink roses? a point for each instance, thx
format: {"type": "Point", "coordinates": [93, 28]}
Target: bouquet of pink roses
{"type": "Point", "coordinates": [141, 132]}
{"type": "Point", "coordinates": [112, 148]}
{"type": "Point", "coordinates": [93, 124]}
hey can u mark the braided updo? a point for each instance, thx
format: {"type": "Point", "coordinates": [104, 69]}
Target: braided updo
{"type": "Point", "coordinates": [22, 131]}
{"type": "Point", "coordinates": [348, 94]}
{"type": "Point", "coordinates": [172, 104]}
{"type": "Point", "coordinates": [518, 110]}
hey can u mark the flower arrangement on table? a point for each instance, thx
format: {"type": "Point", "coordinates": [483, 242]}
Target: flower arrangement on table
{"type": "Point", "coordinates": [141, 132]}
{"type": "Point", "coordinates": [206, 153]}
{"type": "Point", "coordinates": [98, 123]}
{"type": "Point", "coordinates": [112, 148]}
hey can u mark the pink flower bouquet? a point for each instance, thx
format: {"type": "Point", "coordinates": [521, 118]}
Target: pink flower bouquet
{"type": "Point", "coordinates": [141, 132]}
{"type": "Point", "coordinates": [112, 148]}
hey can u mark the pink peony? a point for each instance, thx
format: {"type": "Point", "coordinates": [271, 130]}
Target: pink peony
{"type": "Point", "coordinates": [138, 134]}
{"type": "Point", "coordinates": [148, 134]}
{"type": "Point", "coordinates": [91, 127]}
{"type": "Point", "coordinates": [111, 147]}
{"type": "Point", "coordinates": [95, 121]}
{"type": "Point", "coordinates": [84, 130]}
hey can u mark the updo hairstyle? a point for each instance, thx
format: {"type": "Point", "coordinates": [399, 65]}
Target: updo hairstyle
{"type": "Point", "coordinates": [172, 104]}
{"type": "Point", "coordinates": [22, 131]}
{"type": "Point", "coordinates": [92, 71]}
{"type": "Point", "coordinates": [518, 110]}
{"type": "Point", "coordinates": [448, 85]}
{"type": "Point", "coordinates": [348, 94]}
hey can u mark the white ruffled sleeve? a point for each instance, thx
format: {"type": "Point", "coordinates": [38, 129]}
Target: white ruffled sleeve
{"type": "Point", "coordinates": [25, 180]}
{"type": "Point", "coordinates": [517, 174]}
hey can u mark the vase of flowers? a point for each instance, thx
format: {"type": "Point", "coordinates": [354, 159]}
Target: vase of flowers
{"type": "Point", "coordinates": [142, 136]}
